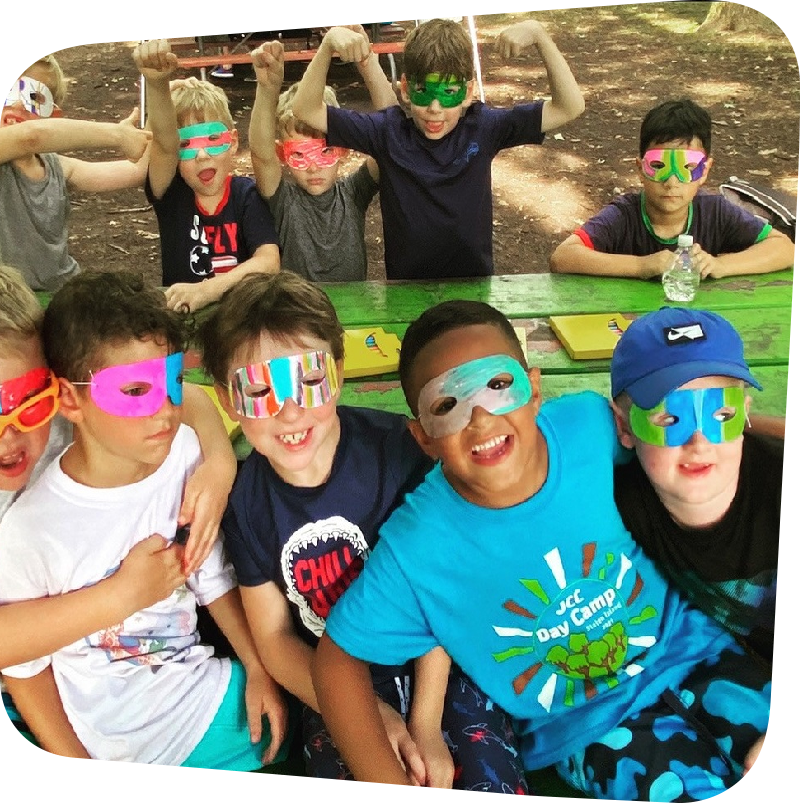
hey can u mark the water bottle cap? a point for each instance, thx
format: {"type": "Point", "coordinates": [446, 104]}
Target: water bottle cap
{"type": "Point", "coordinates": [685, 240]}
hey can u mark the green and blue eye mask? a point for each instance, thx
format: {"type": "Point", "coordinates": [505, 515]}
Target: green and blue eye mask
{"type": "Point", "coordinates": [214, 138]}
{"type": "Point", "coordinates": [719, 413]}
{"type": "Point", "coordinates": [688, 164]}
{"type": "Point", "coordinates": [448, 90]}
{"type": "Point", "coordinates": [498, 384]}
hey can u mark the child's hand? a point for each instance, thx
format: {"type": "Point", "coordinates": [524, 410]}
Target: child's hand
{"type": "Point", "coordinates": [154, 60]}
{"type": "Point", "coordinates": [150, 572]}
{"type": "Point", "coordinates": [752, 755]}
{"type": "Point", "coordinates": [403, 745]}
{"type": "Point", "coordinates": [205, 497]}
{"type": "Point", "coordinates": [349, 42]}
{"type": "Point", "coordinates": [439, 768]}
{"type": "Point", "coordinates": [709, 267]}
{"type": "Point", "coordinates": [268, 65]}
{"type": "Point", "coordinates": [513, 40]}
{"type": "Point", "coordinates": [263, 696]}
{"type": "Point", "coordinates": [186, 297]}
{"type": "Point", "coordinates": [134, 141]}
{"type": "Point", "coordinates": [655, 264]}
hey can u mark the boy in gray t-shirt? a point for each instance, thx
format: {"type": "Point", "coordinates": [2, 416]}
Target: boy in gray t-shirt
{"type": "Point", "coordinates": [319, 216]}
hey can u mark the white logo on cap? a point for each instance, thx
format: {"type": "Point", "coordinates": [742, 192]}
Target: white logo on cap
{"type": "Point", "coordinates": [677, 334]}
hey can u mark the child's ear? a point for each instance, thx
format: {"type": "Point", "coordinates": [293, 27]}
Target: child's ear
{"type": "Point", "coordinates": [426, 443]}
{"type": "Point", "coordinates": [70, 403]}
{"type": "Point", "coordinates": [621, 421]}
{"type": "Point", "coordinates": [470, 93]}
{"type": "Point", "coordinates": [535, 377]}
{"type": "Point", "coordinates": [234, 141]}
{"type": "Point", "coordinates": [340, 377]}
{"type": "Point", "coordinates": [404, 89]}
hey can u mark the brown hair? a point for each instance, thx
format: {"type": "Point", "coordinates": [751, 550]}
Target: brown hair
{"type": "Point", "coordinates": [438, 46]}
{"type": "Point", "coordinates": [283, 304]}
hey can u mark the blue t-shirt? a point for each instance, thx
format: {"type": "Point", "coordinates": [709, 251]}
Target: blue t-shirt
{"type": "Point", "coordinates": [436, 195]}
{"type": "Point", "coordinates": [550, 606]}
{"type": "Point", "coordinates": [312, 542]}
{"type": "Point", "coordinates": [196, 245]}
{"type": "Point", "coordinates": [719, 226]}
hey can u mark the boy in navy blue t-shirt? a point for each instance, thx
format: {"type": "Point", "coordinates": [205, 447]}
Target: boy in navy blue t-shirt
{"type": "Point", "coordinates": [304, 515]}
{"type": "Point", "coordinates": [435, 162]}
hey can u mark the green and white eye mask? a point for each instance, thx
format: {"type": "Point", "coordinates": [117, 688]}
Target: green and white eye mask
{"type": "Point", "coordinates": [498, 384]}
{"type": "Point", "coordinates": [719, 413]}
{"type": "Point", "coordinates": [214, 137]}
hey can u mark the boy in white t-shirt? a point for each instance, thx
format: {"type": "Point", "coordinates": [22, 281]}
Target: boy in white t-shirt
{"type": "Point", "coordinates": [144, 690]}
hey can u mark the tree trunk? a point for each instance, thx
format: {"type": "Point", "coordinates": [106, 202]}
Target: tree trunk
{"type": "Point", "coordinates": [733, 18]}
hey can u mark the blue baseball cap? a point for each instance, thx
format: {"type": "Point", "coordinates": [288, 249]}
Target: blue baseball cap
{"type": "Point", "coordinates": [662, 350]}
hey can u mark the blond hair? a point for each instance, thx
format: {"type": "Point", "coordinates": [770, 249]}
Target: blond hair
{"type": "Point", "coordinates": [287, 123]}
{"type": "Point", "coordinates": [57, 83]}
{"type": "Point", "coordinates": [20, 310]}
{"type": "Point", "coordinates": [201, 101]}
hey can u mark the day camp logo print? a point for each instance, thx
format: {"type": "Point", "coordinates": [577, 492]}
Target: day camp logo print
{"type": "Point", "coordinates": [575, 635]}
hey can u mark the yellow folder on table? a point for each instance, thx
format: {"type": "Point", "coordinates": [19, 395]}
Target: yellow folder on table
{"type": "Point", "coordinates": [370, 351]}
{"type": "Point", "coordinates": [589, 337]}
{"type": "Point", "coordinates": [233, 428]}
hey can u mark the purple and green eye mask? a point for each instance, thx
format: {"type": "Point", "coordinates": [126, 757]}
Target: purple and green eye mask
{"type": "Point", "coordinates": [498, 384]}
{"type": "Point", "coordinates": [213, 137]}
{"type": "Point", "coordinates": [35, 97]}
{"type": "Point", "coordinates": [719, 413]}
{"type": "Point", "coordinates": [658, 164]}
{"type": "Point", "coordinates": [261, 389]}
{"type": "Point", "coordinates": [138, 389]}
{"type": "Point", "coordinates": [448, 90]}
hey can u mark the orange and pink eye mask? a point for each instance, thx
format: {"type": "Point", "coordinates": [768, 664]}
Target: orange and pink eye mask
{"type": "Point", "coordinates": [301, 154]}
{"type": "Point", "coordinates": [29, 401]}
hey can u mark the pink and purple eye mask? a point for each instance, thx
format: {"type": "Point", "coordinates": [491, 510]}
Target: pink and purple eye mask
{"type": "Point", "coordinates": [261, 389]}
{"type": "Point", "coordinates": [300, 154]}
{"type": "Point", "coordinates": [658, 164]}
{"type": "Point", "coordinates": [498, 384]}
{"type": "Point", "coordinates": [719, 413]}
{"type": "Point", "coordinates": [138, 389]}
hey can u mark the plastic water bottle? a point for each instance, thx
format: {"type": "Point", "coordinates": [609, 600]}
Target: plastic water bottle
{"type": "Point", "coordinates": [681, 279]}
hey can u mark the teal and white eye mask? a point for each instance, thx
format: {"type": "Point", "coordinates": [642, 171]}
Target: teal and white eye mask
{"type": "Point", "coordinates": [498, 384]}
{"type": "Point", "coordinates": [214, 138]}
{"type": "Point", "coordinates": [719, 413]}
{"type": "Point", "coordinates": [447, 89]}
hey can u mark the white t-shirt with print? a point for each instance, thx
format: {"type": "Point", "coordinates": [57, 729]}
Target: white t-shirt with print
{"type": "Point", "coordinates": [145, 690]}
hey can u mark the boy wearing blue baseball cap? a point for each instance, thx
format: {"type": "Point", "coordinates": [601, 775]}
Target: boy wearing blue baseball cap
{"type": "Point", "coordinates": [703, 496]}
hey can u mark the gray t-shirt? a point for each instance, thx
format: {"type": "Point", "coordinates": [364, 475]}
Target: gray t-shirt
{"type": "Point", "coordinates": [322, 236]}
{"type": "Point", "coordinates": [33, 225]}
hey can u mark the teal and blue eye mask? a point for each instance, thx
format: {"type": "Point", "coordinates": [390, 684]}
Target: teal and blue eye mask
{"type": "Point", "coordinates": [498, 384]}
{"type": "Point", "coordinates": [214, 138]}
{"type": "Point", "coordinates": [719, 413]}
{"type": "Point", "coordinates": [447, 89]}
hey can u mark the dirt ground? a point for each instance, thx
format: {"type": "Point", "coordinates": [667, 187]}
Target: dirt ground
{"type": "Point", "coordinates": [626, 59]}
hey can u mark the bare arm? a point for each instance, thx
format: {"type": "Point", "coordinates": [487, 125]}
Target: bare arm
{"type": "Point", "coordinates": [283, 653]}
{"type": "Point", "coordinates": [572, 256]}
{"type": "Point", "coordinates": [431, 674]}
{"type": "Point", "coordinates": [195, 296]}
{"type": "Point", "coordinates": [157, 63]}
{"type": "Point", "coordinates": [60, 134]}
{"type": "Point", "coordinates": [262, 694]}
{"type": "Point", "coordinates": [774, 252]}
{"type": "Point", "coordinates": [205, 495]}
{"type": "Point", "coordinates": [268, 66]}
{"type": "Point", "coordinates": [39, 703]}
{"type": "Point", "coordinates": [308, 104]}
{"type": "Point", "coordinates": [567, 101]}
{"type": "Point", "coordinates": [31, 629]}
{"type": "Point", "coordinates": [350, 710]}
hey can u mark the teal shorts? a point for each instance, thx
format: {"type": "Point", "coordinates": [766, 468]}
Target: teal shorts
{"type": "Point", "coordinates": [226, 744]}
